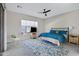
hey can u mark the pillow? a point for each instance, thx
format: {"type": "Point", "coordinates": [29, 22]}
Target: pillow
{"type": "Point", "coordinates": [62, 32]}
{"type": "Point", "coordinates": [52, 31]}
{"type": "Point", "coordinates": [58, 32]}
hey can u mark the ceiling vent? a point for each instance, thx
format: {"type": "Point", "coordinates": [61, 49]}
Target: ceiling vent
{"type": "Point", "coordinates": [19, 6]}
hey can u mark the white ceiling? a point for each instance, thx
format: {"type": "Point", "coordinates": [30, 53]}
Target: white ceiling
{"type": "Point", "coordinates": [33, 9]}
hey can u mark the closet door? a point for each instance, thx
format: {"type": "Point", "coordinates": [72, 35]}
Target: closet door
{"type": "Point", "coordinates": [1, 28]}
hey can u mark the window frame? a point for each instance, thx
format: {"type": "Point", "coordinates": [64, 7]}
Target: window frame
{"type": "Point", "coordinates": [23, 31]}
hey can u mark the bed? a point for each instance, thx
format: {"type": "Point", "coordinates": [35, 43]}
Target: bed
{"type": "Point", "coordinates": [56, 35]}
{"type": "Point", "coordinates": [48, 44]}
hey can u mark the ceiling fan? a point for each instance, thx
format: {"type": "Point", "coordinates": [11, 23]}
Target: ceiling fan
{"type": "Point", "coordinates": [45, 12]}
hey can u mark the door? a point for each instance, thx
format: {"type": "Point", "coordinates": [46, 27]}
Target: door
{"type": "Point", "coordinates": [1, 28]}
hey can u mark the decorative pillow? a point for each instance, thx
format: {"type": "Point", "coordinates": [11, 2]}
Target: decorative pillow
{"type": "Point", "coordinates": [52, 31]}
{"type": "Point", "coordinates": [62, 32]}
{"type": "Point", "coordinates": [58, 32]}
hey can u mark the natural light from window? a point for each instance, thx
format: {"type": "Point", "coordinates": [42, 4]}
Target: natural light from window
{"type": "Point", "coordinates": [27, 24]}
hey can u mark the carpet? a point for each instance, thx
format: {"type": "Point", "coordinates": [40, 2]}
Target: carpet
{"type": "Point", "coordinates": [42, 48]}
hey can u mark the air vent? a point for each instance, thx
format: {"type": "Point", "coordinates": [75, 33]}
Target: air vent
{"type": "Point", "coordinates": [18, 6]}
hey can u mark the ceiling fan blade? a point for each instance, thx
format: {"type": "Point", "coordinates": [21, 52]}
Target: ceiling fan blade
{"type": "Point", "coordinates": [48, 11]}
{"type": "Point", "coordinates": [45, 14]}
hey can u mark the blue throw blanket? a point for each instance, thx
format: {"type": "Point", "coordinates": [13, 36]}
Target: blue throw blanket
{"type": "Point", "coordinates": [56, 36]}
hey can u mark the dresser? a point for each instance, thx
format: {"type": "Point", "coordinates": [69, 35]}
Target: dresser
{"type": "Point", "coordinates": [74, 39]}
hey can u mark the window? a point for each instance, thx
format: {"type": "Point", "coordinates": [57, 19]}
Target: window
{"type": "Point", "coordinates": [26, 25]}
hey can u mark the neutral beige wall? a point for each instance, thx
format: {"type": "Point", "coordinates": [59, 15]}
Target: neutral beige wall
{"type": "Point", "coordinates": [14, 23]}
{"type": "Point", "coordinates": [66, 20]}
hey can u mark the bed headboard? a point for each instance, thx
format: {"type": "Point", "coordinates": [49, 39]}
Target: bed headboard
{"type": "Point", "coordinates": [63, 29]}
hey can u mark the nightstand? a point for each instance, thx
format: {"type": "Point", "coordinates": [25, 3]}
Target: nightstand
{"type": "Point", "coordinates": [74, 39]}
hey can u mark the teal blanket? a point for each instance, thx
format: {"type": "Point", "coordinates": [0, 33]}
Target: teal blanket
{"type": "Point", "coordinates": [58, 37]}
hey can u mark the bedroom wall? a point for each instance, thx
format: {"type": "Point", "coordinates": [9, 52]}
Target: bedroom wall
{"type": "Point", "coordinates": [70, 20]}
{"type": "Point", "coordinates": [14, 24]}
{"type": "Point", "coordinates": [5, 30]}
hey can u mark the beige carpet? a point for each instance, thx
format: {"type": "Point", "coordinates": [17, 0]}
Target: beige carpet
{"type": "Point", "coordinates": [18, 49]}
